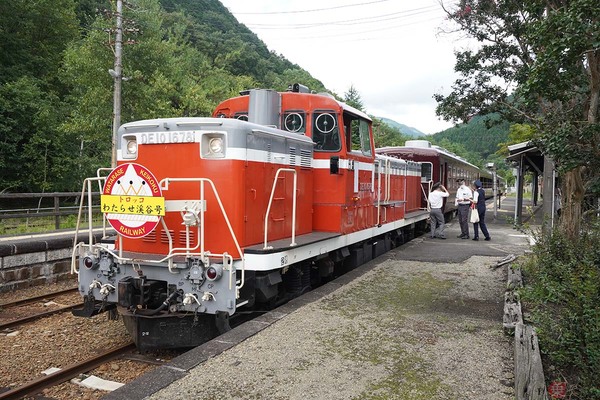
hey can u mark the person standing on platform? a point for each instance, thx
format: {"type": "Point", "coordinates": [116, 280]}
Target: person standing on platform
{"type": "Point", "coordinates": [557, 201]}
{"type": "Point", "coordinates": [463, 201]}
{"type": "Point", "coordinates": [479, 203]}
{"type": "Point", "coordinates": [436, 216]}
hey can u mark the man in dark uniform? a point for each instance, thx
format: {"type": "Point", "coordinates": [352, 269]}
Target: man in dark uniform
{"type": "Point", "coordinates": [479, 201]}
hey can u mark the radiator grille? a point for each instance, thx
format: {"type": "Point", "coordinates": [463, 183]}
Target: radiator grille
{"type": "Point", "coordinates": [305, 158]}
{"type": "Point", "coordinates": [164, 238]}
{"type": "Point", "coordinates": [151, 237]}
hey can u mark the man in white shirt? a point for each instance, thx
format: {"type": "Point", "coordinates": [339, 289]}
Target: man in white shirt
{"type": "Point", "coordinates": [463, 201]}
{"type": "Point", "coordinates": [436, 216]}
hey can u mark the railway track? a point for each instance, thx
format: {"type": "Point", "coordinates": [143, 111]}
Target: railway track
{"type": "Point", "coordinates": [71, 371]}
{"type": "Point", "coordinates": [34, 299]}
{"type": "Point", "coordinates": [5, 307]}
{"type": "Point", "coordinates": [55, 341]}
{"type": "Point", "coordinates": [21, 321]}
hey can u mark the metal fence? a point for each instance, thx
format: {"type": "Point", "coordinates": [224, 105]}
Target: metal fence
{"type": "Point", "coordinates": [20, 214]}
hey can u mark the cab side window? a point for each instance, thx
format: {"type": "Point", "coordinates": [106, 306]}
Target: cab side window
{"type": "Point", "coordinates": [358, 136]}
{"type": "Point", "coordinates": [365, 138]}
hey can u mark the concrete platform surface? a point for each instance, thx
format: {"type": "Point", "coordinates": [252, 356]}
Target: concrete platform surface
{"type": "Point", "coordinates": [423, 321]}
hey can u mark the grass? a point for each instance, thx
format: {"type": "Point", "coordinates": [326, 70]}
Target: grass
{"type": "Point", "coordinates": [21, 226]}
{"type": "Point", "coordinates": [387, 301]}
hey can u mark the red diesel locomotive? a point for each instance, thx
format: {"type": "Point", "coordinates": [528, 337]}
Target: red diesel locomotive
{"type": "Point", "coordinates": [272, 195]}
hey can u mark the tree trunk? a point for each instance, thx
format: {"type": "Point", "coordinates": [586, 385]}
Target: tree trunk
{"type": "Point", "coordinates": [572, 200]}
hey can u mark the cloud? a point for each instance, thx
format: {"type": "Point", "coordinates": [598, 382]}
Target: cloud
{"type": "Point", "coordinates": [388, 50]}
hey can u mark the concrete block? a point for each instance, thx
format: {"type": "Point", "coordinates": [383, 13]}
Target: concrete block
{"type": "Point", "coordinates": [59, 254]}
{"type": "Point", "coordinates": [37, 271]}
{"type": "Point", "coordinates": [8, 276]}
{"type": "Point", "coordinates": [62, 267]}
{"type": "Point", "coordinates": [60, 243]}
{"type": "Point", "coordinates": [23, 273]}
{"type": "Point", "coordinates": [7, 249]}
{"type": "Point", "coordinates": [24, 259]}
{"type": "Point", "coordinates": [25, 247]}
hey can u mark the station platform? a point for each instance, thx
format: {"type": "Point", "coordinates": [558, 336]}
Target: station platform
{"type": "Point", "coordinates": [423, 321]}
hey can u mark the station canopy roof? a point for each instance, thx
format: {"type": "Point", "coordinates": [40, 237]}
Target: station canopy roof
{"type": "Point", "coordinates": [528, 154]}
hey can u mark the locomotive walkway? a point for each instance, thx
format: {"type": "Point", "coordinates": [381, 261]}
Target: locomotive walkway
{"type": "Point", "coordinates": [423, 321]}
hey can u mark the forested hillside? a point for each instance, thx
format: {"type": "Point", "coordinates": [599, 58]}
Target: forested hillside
{"type": "Point", "coordinates": [407, 130]}
{"type": "Point", "coordinates": [180, 58]}
{"type": "Point", "coordinates": [481, 135]}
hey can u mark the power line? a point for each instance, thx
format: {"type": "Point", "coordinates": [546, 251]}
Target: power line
{"type": "Point", "coordinates": [347, 37]}
{"type": "Point", "coordinates": [353, 22]}
{"type": "Point", "coordinates": [350, 36]}
{"type": "Point", "coordinates": [308, 11]}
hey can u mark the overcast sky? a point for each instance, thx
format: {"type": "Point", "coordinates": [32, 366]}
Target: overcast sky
{"type": "Point", "coordinates": [391, 51]}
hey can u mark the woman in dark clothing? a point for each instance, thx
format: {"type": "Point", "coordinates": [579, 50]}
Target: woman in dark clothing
{"type": "Point", "coordinates": [479, 201]}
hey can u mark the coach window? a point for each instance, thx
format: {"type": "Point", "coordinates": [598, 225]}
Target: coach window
{"type": "Point", "coordinates": [325, 131]}
{"type": "Point", "coordinates": [426, 169]}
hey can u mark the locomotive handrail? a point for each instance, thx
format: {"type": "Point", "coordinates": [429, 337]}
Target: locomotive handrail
{"type": "Point", "coordinates": [100, 189]}
{"type": "Point", "coordinates": [86, 183]}
{"type": "Point", "coordinates": [293, 206]}
{"type": "Point", "coordinates": [164, 184]}
{"type": "Point", "coordinates": [426, 195]}
{"type": "Point", "coordinates": [387, 173]}
{"type": "Point", "coordinates": [379, 168]}
{"type": "Point", "coordinates": [388, 177]}
{"type": "Point", "coordinates": [405, 185]}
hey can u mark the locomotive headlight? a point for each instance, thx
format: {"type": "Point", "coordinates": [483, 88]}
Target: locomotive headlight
{"type": "Point", "coordinates": [213, 145]}
{"type": "Point", "coordinates": [90, 262]}
{"type": "Point", "coordinates": [214, 272]}
{"type": "Point", "coordinates": [131, 147]}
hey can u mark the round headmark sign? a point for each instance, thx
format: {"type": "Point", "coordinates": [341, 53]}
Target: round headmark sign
{"type": "Point", "coordinates": [132, 200]}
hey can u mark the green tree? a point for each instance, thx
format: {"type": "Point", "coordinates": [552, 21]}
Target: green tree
{"type": "Point", "coordinates": [33, 36]}
{"type": "Point", "coordinates": [480, 135]}
{"type": "Point", "coordinates": [538, 63]}
{"type": "Point", "coordinates": [518, 133]}
{"type": "Point", "coordinates": [352, 98]}
{"type": "Point", "coordinates": [56, 96]}
{"type": "Point", "coordinates": [166, 77]}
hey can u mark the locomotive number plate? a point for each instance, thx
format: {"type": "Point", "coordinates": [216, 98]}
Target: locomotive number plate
{"type": "Point", "coordinates": [167, 137]}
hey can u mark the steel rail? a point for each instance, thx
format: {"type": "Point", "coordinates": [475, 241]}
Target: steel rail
{"type": "Point", "coordinates": [23, 320]}
{"type": "Point", "coordinates": [37, 298]}
{"type": "Point", "coordinates": [69, 372]}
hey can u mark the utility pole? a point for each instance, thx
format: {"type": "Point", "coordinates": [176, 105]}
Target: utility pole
{"type": "Point", "coordinates": [492, 167]}
{"type": "Point", "coordinates": [117, 75]}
